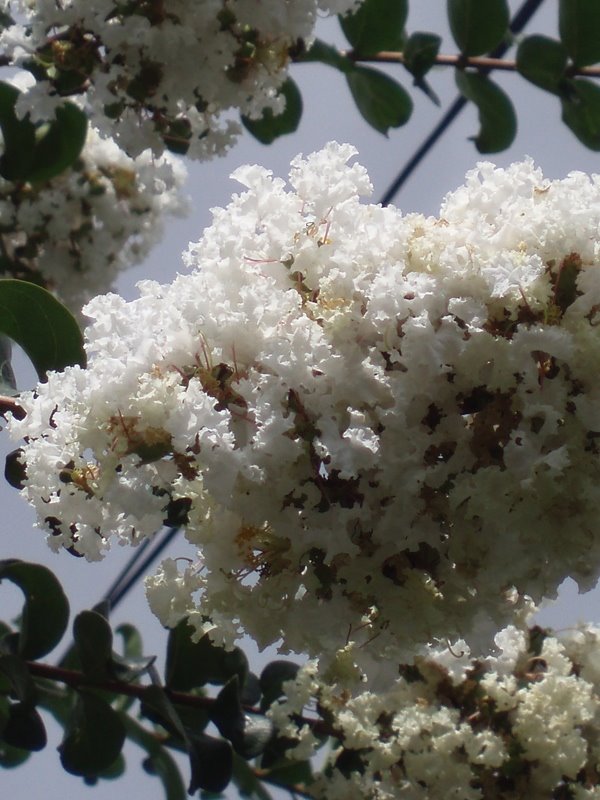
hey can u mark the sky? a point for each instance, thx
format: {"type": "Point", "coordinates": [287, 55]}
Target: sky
{"type": "Point", "coordinates": [329, 114]}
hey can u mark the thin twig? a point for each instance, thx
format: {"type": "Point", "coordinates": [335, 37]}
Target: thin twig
{"type": "Point", "coordinates": [477, 62]}
{"type": "Point", "coordinates": [76, 679]}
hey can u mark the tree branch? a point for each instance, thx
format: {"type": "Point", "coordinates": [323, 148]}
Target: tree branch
{"type": "Point", "coordinates": [460, 61]}
{"type": "Point", "coordinates": [75, 679]}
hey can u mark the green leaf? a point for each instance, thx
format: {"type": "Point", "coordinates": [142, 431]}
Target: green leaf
{"type": "Point", "coordinates": [581, 111]}
{"type": "Point", "coordinates": [43, 327]}
{"type": "Point", "coordinates": [420, 53]}
{"type": "Point", "coordinates": [291, 773]}
{"type": "Point", "coordinates": [14, 469]}
{"type": "Point", "coordinates": [18, 136]}
{"type": "Point", "coordinates": [248, 733]}
{"type": "Point", "coordinates": [46, 611]}
{"type": "Point", "coordinates": [93, 738]}
{"type": "Point", "coordinates": [11, 757]}
{"type": "Point", "coordinates": [327, 54]}
{"type": "Point", "coordinates": [248, 785]}
{"type": "Point", "coordinates": [542, 61]}
{"type": "Point", "coordinates": [93, 640]}
{"type": "Point", "coordinates": [272, 678]}
{"type": "Point", "coordinates": [376, 25]}
{"type": "Point", "coordinates": [478, 25]}
{"type": "Point", "coordinates": [192, 664]}
{"type": "Point", "coordinates": [133, 663]}
{"type": "Point", "coordinates": [270, 126]}
{"type": "Point", "coordinates": [211, 762]}
{"type": "Point", "coordinates": [498, 123]}
{"type": "Point", "coordinates": [58, 144]}
{"type": "Point", "coordinates": [383, 103]}
{"type": "Point", "coordinates": [22, 685]}
{"type": "Point", "coordinates": [8, 384]}
{"type": "Point", "coordinates": [579, 27]}
{"type": "Point", "coordinates": [158, 762]}
{"type": "Point", "coordinates": [24, 728]}
{"type": "Point", "coordinates": [39, 153]}
{"type": "Point", "coordinates": [157, 707]}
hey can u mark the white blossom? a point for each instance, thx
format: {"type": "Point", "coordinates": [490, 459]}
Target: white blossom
{"type": "Point", "coordinates": [76, 232]}
{"type": "Point", "coordinates": [155, 74]}
{"type": "Point", "coordinates": [373, 437]}
{"type": "Point", "coordinates": [431, 737]}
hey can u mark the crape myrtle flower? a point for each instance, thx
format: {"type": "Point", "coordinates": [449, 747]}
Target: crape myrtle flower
{"type": "Point", "coordinates": [377, 430]}
{"type": "Point", "coordinates": [155, 73]}
{"type": "Point", "coordinates": [520, 723]}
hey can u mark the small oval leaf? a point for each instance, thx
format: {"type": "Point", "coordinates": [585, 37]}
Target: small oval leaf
{"type": "Point", "coordinates": [43, 327]}
{"type": "Point", "coordinates": [376, 25]}
{"type": "Point", "coordinates": [94, 737]}
{"type": "Point", "coordinates": [542, 61]}
{"type": "Point", "coordinates": [272, 678]}
{"type": "Point", "coordinates": [58, 144]}
{"type": "Point", "coordinates": [579, 27]}
{"type": "Point", "coordinates": [580, 101]}
{"type": "Point", "coordinates": [211, 762]}
{"type": "Point", "coordinates": [478, 25]}
{"type": "Point", "coordinates": [270, 126]}
{"type": "Point", "coordinates": [46, 611]}
{"type": "Point", "coordinates": [382, 102]}
{"type": "Point", "coordinates": [24, 728]}
{"type": "Point", "coordinates": [497, 119]}
{"type": "Point", "coordinates": [93, 640]}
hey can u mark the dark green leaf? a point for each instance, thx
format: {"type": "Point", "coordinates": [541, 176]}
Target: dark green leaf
{"type": "Point", "coordinates": [291, 773]}
{"type": "Point", "coordinates": [272, 678]}
{"type": "Point", "coordinates": [376, 25]}
{"type": "Point", "coordinates": [498, 123]}
{"type": "Point", "coordinates": [248, 733]}
{"type": "Point", "coordinates": [157, 707]}
{"type": "Point", "coordinates": [193, 664]}
{"type": "Point", "coordinates": [478, 25]}
{"type": "Point", "coordinates": [38, 154]}
{"type": "Point", "coordinates": [14, 469]}
{"type": "Point", "coordinates": [116, 770]}
{"type": "Point", "coordinates": [383, 103]}
{"type": "Point", "coordinates": [542, 61]}
{"type": "Point", "coordinates": [420, 53]}
{"type": "Point", "coordinates": [94, 736]}
{"type": "Point", "coordinates": [211, 761]}
{"type": "Point", "coordinates": [248, 785]}
{"type": "Point", "coordinates": [158, 762]}
{"type": "Point", "coordinates": [581, 111]}
{"type": "Point", "coordinates": [327, 54]}
{"type": "Point", "coordinates": [43, 327]}
{"type": "Point", "coordinates": [22, 685]}
{"type": "Point", "coordinates": [18, 137]}
{"type": "Point", "coordinates": [24, 728]}
{"type": "Point", "coordinates": [59, 144]}
{"type": "Point", "coordinates": [251, 690]}
{"type": "Point", "coordinates": [8, 384]}
{"type": "Point", "coordinates": [579, 26]}
{"type": "Point", "coordinates": [93, 640]}
{"type": "Point", "coordinates": [129, 666]}
{"type": "Point", "coordinates": [270, 126]}
{"type": "Point", "coordinates": [46, 611]}
{"type": "Point", "coordinates": [11, 757]}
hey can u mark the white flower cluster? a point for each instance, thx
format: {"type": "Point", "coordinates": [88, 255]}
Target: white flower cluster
{"type": "Point", "coordinates": [376, 429]}
{"type": "Point", "coordinates": [156, 73]}
{"type": "Point", "coordinates": [74, 233]}
{"type": "Point", "coordinates": [522, 724]}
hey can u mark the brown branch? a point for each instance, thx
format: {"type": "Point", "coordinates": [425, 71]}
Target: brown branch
{"type": "Point", "coordinates": [75, 679]}
{"type": "Point", "coordinates": [478, 62]}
